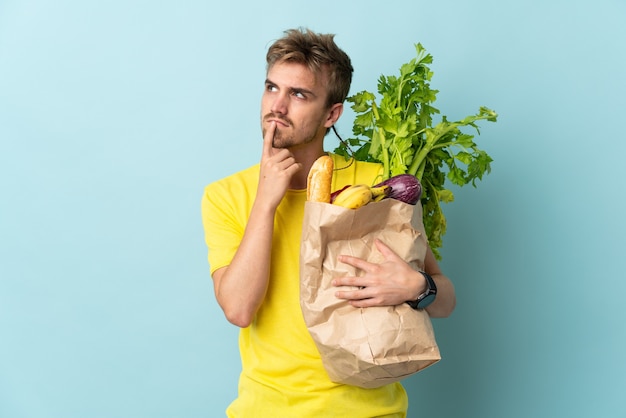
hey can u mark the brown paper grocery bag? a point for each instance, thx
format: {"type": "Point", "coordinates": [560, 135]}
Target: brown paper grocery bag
{"type": "Point", "coordinates": [367, 347]}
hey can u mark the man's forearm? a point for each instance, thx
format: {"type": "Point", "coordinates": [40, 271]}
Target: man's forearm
{"type": "Point", "coordinates": [445, 302]}
{"type": "Point", "coordinates": [240, 287]}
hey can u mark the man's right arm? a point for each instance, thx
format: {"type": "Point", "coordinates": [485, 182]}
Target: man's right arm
{"type": "Point", "coordinates": [240, 287]}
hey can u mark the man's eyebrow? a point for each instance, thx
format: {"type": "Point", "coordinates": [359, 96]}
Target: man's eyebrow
{"type": "Point", "coordinates": [292, 89]}
{"type": "Point", "coordinates": [302, 90]}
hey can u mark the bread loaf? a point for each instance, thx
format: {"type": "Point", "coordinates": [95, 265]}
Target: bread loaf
{"type": "Point", "coordinates": [320, 180]}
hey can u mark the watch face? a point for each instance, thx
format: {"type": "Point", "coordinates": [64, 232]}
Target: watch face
{"type": "Point", "coordinates": [427, 300]}
{"type": "Point", "coordinates": [428, 297]}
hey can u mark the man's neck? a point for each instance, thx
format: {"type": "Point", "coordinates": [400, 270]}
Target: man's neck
{"type": "Point", "coordinates": [299, 180]}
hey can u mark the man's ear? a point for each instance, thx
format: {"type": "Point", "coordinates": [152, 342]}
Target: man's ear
{"type": "Point", "coordinates": [334, 113]}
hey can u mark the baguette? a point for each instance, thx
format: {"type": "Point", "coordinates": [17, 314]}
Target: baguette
{"type": "Point", "coordinates": [319, 180]}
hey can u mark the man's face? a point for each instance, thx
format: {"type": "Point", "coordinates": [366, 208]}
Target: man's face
{"type": "Point", "coordinates": [296, 99]}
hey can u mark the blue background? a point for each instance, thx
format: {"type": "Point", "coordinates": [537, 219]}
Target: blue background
{"type": "Point", "coordinates": [114, 115]}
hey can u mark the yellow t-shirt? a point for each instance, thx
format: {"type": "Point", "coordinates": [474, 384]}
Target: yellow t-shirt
{"type": "Point", "coordinates": [282, 373]}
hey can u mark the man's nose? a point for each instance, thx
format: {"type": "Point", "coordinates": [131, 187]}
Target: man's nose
{"type": "Point", "coordinates": [280, 104]}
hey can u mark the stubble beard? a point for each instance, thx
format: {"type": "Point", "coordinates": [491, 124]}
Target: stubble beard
{"type": "Point", "coordinates": [288, 140]}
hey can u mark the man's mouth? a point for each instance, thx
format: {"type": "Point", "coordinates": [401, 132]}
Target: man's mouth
{"type": "Point", "coordinates": [278, 120]}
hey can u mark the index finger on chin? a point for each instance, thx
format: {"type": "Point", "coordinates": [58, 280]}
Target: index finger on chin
{"type": "Point", "coordinates": [268, 139]}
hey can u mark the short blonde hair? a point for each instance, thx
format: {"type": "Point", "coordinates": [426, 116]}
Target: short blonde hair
{"type": "Point", "coordinates": [319, 53]}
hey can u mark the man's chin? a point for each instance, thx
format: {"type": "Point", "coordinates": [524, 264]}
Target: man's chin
{"type": "Point", "coordinates": [281, 142]}
{"type": "Point", "coordinates": [280, 145]}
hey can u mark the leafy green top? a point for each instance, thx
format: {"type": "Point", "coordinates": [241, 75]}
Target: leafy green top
{"type": "Point", "coordinates": [397, 131]}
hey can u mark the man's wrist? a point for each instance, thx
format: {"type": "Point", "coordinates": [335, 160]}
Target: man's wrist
{"type": "Point", "coordinates": [427, 296]}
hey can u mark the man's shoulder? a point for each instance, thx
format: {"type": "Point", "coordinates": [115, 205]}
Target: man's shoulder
{"type": "Point", "coordinates": [351, 170]}
{"type": "Point", "coordinates": [231, 193]}
{"type": "Point", "coordinates": [246, 176]}
{"type": "Point", "coordinates": [346, 162]}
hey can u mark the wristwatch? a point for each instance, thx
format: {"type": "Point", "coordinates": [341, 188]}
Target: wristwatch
{"type": "Point", "coordinates": [427, 297]}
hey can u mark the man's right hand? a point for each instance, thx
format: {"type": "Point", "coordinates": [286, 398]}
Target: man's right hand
{"type": "Point", "coordinates": [278, 166]}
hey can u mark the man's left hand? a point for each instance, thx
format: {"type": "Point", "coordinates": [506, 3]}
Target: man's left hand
{"type": "Point", "coordinates": [391, 282]}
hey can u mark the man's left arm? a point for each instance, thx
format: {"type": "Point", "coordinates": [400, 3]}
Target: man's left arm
{"type": "Point", "coordinates": [394, 281]}
{"type": "Point", "coordinates": [445, 301]}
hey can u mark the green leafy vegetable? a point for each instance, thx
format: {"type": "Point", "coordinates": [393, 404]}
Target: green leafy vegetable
{"type": "Point", "coordinates": [398, 132]}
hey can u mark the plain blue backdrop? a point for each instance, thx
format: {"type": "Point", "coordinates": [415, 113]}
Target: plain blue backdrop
{"type": "Point", "coordinates": [114, 115]}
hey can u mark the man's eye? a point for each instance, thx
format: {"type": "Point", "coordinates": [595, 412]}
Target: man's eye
{"type": "Point", "coordinates": [270, 87]}
{"type": "Point", "coordinates": [299, 94]}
